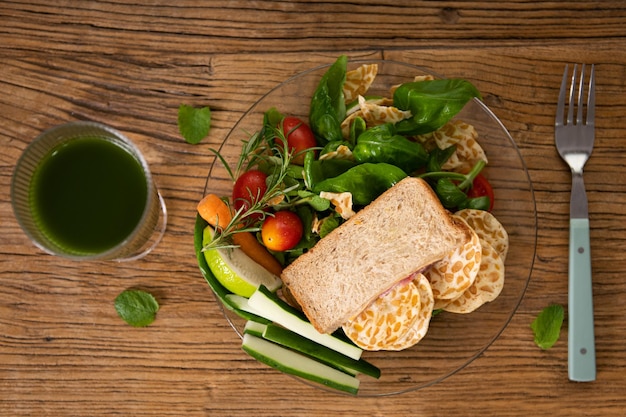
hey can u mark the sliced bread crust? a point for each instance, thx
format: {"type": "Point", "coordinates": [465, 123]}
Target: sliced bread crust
{"type": "Point", "coordinates": [401, 232]}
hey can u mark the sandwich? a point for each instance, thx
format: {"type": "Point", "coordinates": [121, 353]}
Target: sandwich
{"type": "Point", "coordinates": [373, 265]}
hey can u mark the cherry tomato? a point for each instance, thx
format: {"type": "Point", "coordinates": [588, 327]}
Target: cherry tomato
{"type": "Point", "coordinates": [481, 187]}
{"type": "Point", "coordinates": [299, 138]}
{"type": "Point", "coordinates": [282, 231]}
{"type": "Point", "coordinates": [249, 187]}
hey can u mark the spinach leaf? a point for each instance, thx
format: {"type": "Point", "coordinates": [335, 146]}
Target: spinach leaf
{"type": "Point", "coordinates": [333, 146]}
{"type": "Point", "coordinates": [328, 225]}
{"type": "Point", "coordinates": [357, 127]}
{"type": "Point", "coordinates": [451, 187]}
{"type": "Point", "coordinates": [316, 202]}
{"type": "Point", "coordinates": [382, 144]}
{"type": "Point", "coordinates": [328, 108]}
{"type": "Point", "coordinates": [433, 103]}
{"type": "Point", "coordinates": [476, 203]}
{"type": "Point", "coordinates": [271, 123]}
{"type": "Point", "coordinates": [449, 194]}
{"type": "Point", "coordinates": [438, 157]}
{"type": "Point", "coordinates": [365, 181]}
{"type": "Point", "coordinates": [316, 171]}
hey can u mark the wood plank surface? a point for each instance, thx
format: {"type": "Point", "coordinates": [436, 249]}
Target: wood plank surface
{"type": "Point", "coordinates": [135, 28]}
{"type": "Point", "coordinates": [64, 351]}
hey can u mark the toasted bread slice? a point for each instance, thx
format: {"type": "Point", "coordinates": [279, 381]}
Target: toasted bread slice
{"type": "Point", "coordinates": [401, 232]}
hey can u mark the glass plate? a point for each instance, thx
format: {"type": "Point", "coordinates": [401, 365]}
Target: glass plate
{"type": "Point", "coordinates": [453, 340]}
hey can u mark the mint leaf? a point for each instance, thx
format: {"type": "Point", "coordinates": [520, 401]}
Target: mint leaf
{"type": "Point", "coordinates": [547, 326]}
{"type": "Point", "coordinates": [194, 123]}
{"type": "Point", "coordinates": [137, 308]}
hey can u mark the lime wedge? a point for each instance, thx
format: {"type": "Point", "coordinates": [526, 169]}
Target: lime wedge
{"type": "Point", "coordinates": [235, 270]}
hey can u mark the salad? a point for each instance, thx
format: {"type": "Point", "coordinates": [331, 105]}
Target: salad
{"type": "Point", "coordinates": [297, 180]}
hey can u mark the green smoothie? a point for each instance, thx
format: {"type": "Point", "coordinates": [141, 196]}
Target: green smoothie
{"type": "Point", "coordinates": [88, 195]}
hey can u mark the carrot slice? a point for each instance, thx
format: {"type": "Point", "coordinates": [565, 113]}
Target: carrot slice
{"type": "Point", "coordinates": [217, 213]}
{"type": "Point", "coordinates": [255, 250]}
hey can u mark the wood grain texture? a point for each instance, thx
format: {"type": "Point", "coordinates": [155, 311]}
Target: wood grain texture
{"type": "Point", "coordinates": [64, 351]}
{"type": "Point", "coordinates": [124, 27]}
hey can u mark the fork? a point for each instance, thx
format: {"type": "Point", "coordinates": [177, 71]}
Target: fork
{"type": "Point", "coordinates": [574, 142]}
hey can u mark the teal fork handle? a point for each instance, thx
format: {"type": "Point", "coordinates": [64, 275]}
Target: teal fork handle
{"type": "Point", "coordinates": [581, 346]}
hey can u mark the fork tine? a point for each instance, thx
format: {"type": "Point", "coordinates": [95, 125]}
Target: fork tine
{"type": "Point", "coordinates": [572, 91]}
{"type": "Point", "coordinates": [560, 108]}
{"type": "Point", "coordinates": [591, 98]}
{"type": "Point", "coordinates": [580, 105]}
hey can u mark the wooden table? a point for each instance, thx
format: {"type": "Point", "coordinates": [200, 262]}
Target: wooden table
{"type": "Point", "coordinates": [130, 64]}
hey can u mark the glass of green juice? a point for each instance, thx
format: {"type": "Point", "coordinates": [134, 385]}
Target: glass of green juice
{"type": "Point", "coordinates": [82, 190]}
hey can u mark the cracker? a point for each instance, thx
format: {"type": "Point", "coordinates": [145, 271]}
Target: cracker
{"type": "Point", "coordinates": [387, 319]}
{"type": "Point", "coordinates": [464, 137]}
{"type": "Point", "coordinates": [420, 327]}
{"type": "Point", "coordinates": [456, 272]}
{"type": "Point", "coordinates": [487, 285]}
{"type": "Point", "coordinates": [488, 229]}
{"type": "Point", "coordinates": [358, 81]}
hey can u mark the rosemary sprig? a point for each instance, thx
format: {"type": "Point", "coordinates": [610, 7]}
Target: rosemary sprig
{"type": "Point", "coordinates": [252, 150]}
{"type": "Point", "coordinates": [258, 151]}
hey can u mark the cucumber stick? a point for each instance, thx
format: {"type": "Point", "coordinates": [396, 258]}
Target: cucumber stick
{"type": "Point", "coordinates": [240, 306]}
{"type": "Point", "coordinates": [254, 328]}
{"type": "Point", "coordinates": [286, 338]}
{"type": "Point", "coordinates": [269, 306]}
{"type": "Point", "coordinates": [294, 341]}
{"type": "Point", "coordinates": [294, 363]}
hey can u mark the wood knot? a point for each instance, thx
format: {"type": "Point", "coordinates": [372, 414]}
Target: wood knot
{"type": "Point", "coordinates": [492, 100]}
{"type": "Point", "coordinates": [449, 15]}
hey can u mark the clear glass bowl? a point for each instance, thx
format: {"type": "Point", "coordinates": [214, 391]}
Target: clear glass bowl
{"type": "Point", "coordinates": [453, 340]}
